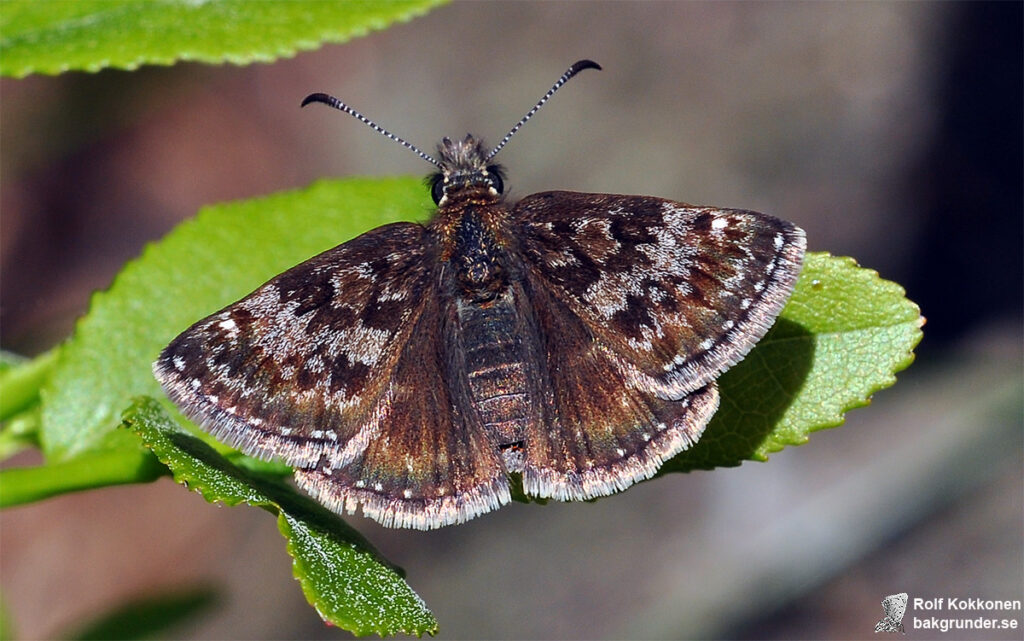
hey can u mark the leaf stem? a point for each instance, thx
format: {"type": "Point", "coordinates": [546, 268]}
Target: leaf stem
{"type": "Point", "coordinates": [21, 485]}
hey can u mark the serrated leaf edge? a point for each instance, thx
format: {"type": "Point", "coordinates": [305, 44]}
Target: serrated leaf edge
{"type": "Point", "coordinates": [284, 520]}
{"type": "Point", "coordinates": [762, 455]}
{"type": "Point", "coordinates": [286, 524]}
{"type": "Point", "coordinates": [282, 52]}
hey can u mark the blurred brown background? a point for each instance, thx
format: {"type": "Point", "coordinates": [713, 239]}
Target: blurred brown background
{"type": "Point", "coordinates": [890, 131]}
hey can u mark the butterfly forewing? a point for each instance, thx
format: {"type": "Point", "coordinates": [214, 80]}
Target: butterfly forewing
{"type": "Point", "coordinates": [295, 367]}
{"type": "Point", "coordinates": [680, 293]}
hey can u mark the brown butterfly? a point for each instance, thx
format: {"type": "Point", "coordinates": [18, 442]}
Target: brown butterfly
{"type": "Point", "coordinates": [571, 339]}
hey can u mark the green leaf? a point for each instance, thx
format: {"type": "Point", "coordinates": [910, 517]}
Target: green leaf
{"type": "Point", "coordinates": [843, 335]}
{"type": "Point", "coordinates": [88, 35]}
{"type": "Point", "coordinates": [149, 617]}
{"type": "Point", "coordinates": [342, 576]}
{"type": "Point", "coordinates": [218, 257]}
{"type": "Point", "coordinates": [21, 380]}
{"type": "Point", "coordinates": [19, 433]}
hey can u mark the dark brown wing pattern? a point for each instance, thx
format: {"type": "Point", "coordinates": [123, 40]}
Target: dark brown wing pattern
{"type": "Point", "coordinates": [429, 462]}
{"type": "Point", "coordinates": [316, 366]}
{"type": "Point", "coordinates": [574, 340]}
{"type": "Point", "coordinates": [679, 293]}
{"type": "Point", "coordinates": [293, 367]}
{"type": "Point", "coordinates": [596, 432]}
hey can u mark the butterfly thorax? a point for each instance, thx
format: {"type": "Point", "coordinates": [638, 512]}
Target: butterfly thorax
{"type": "Point", "coordinates": [471, 222]}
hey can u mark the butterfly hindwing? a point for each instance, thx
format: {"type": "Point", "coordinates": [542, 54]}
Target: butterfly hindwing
{"type": "Point", "coordinates": [428, 462]}
{"type": "Point", "coordinates": [596, 433]}
{"type": "Point", "coordinates": [679, 292]}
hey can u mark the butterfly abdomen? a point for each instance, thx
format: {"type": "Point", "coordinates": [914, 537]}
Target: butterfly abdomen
{"type": "Point", "coordinates": [493, 356]}
{"type": "Point", "coordinates": [489, 341]}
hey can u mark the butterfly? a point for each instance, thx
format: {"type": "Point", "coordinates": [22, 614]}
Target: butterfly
{"type": "Point", "coordinates": [572, 340]}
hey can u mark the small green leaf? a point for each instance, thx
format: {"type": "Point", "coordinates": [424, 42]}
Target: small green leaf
{"type": "Point", "coordinates": [21, 380]}
{"type": "Point", "coordinates": [89, 35]}
{"type": "Point", "coordinates": [19, 433]}
{"type": "Point", "coordinates": [342, 576]}
{"type": "Point", "coordinates": [218, 257]}
{"type": "Point", "coordinates": [148, 617]}
{"type": "Point", "coordinates": [843, 335]}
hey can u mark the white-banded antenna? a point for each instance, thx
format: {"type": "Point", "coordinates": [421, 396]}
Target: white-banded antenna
{"type": "Point", "coordinates": [577, 67]}
{"type": "Point", "coordinates": [331, 101]}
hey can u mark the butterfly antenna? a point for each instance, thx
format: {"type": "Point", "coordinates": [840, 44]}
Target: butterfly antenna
{"type": "Point", "coordinates": [331, 101]}
{"type": "Point", "coordinates": [572, 71]}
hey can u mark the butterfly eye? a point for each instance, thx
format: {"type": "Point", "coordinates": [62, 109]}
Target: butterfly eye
{"type": "Point", "coordinates": [437, 189]}
{"type": "Point", "coordinates": [494, 174]}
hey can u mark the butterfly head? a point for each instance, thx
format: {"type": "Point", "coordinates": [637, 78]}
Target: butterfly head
{"type": "Point", "coordinates": [465, 171]}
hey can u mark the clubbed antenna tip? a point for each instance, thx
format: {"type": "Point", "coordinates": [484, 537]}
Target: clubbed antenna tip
{"type": "Point", "coordinates": [331, 101]}
{"type": "Point", "coordinates": [576, 67]}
